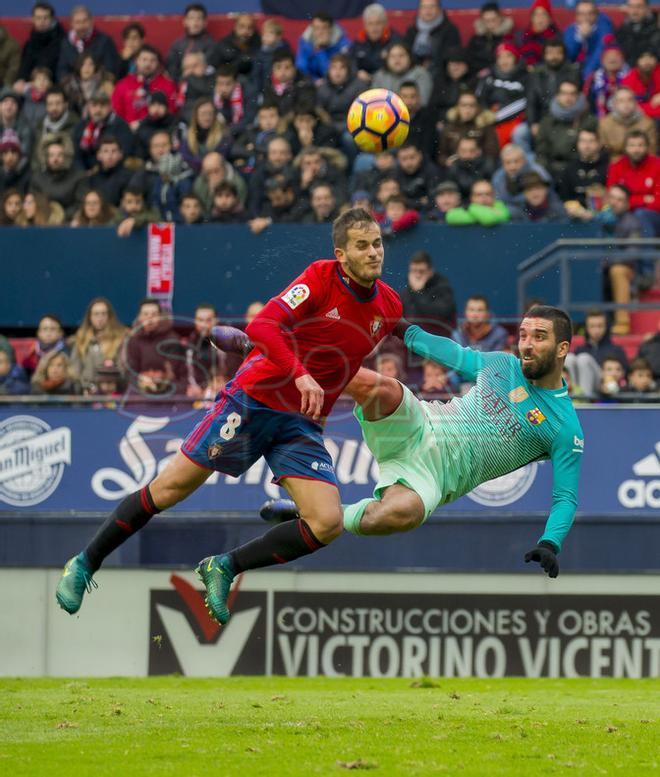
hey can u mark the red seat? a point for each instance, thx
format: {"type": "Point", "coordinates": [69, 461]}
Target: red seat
{"type": "Point", "coordinates": [22, 347]}
{"type": "Point", "coordinates": [629, 343]}
{"type": "Point", "coordinates": [644, 321]}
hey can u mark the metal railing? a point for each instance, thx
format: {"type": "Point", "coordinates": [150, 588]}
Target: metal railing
{"type": "Point", "coordinates": [562, 253]}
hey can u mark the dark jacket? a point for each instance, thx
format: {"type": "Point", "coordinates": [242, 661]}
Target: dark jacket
{"type": "Point", "coordinates": [433, 308]}
{"type": "Point", "coordinates": [336, 100]}
{"type": "Point", "coordinates": [63, 186]}
{"type": "Point", "coordinates": [600, 351]}
{"type": "Point", "coordinates": [302, 90]}
{"type": "Point", "coordinates": [506, 93]}
{"type": "Point", "coordinates": [423, 132]}
{"type": "Point", "coordinates": [114, 126]}
{"type": "Point", "coordinates": [147, 128]}
{"type": "Point", "coordinates": [579, 175]}
{"type": "Point", "coordinates": [482, 129]}
{"type": "Point", "coordinates": [443, 37]}
{"type": "Point", "coordinates": [187, 45]}
{"type": "Point", "coordinates": [417, 187]}
{"type": "Point", "coordinates": [368, 55]}
{"type": "Point", "coordinates": [551, 210]}
{"type": "Point", "coordinates": [18, 178]}
{"type": "Point", "coordinates": [464, 173]}
{"type": "Point", "coordinates": [636, 38]}
{"type": "Point", "coordinates": [164, 191]}
{"type": "Point", "coordinates": [542, 85]}
{"type": "Point", "coordinates": [102, 49]}
{"type": "Point", "coordinates": [446, 92]}
{"type": "Point", "coordinates": [650, 350]}
{"type": "Point", "coordinates": [229, 51]}
{"type": "Point", "coordinates": [41, 49]}
{"type": "Point", "coordinates": [482, 45]}
{"type": "Point", "coordinates": [495, 339]}
{"type": "Point", "coordinates": [110, 183]}
{"type": "Point", "coordinates": [557, 138]}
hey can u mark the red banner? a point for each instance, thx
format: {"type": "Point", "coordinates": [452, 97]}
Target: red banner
{"type": "Point", "coordinates": [160, 262]}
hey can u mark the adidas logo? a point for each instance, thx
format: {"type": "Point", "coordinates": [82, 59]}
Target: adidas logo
{"type": "Point", "coordinates": [649, 466]}
{"type": "Point", "coordinates": [636, 494]}
{"type": "Point", "coordinates": [334, 313]}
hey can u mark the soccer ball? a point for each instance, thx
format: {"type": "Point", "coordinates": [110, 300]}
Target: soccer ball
{"type": "Point", "coordinates": [378, 119]}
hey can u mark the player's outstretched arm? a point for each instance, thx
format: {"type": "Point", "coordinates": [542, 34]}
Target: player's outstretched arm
{"type": "Point", "coordinates": [443, 350]}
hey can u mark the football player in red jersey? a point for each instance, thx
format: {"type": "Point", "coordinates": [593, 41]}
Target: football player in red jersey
{"type": "Point", "coordinates": [310, 341]}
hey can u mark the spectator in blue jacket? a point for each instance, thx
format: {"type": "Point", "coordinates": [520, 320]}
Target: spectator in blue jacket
{"type": "Point", "coordinates": [320, 41]}
{"type": "Point", "coordinates": [478, 331]}
{"type": "Point", "coordinates": [584, 38]}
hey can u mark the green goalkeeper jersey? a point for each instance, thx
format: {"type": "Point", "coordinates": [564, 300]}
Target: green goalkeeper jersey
{"type": "Point", "coordinates": [504, 422]}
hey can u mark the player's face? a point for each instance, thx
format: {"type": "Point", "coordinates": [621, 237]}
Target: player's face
{"type": "Point", "coordinates": [538, 348]}
{"type": "Point", "coordinates": [363, 255]}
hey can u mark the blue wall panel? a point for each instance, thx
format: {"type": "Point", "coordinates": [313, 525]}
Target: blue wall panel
{"type": "Point", "coordinates": [61, 269]}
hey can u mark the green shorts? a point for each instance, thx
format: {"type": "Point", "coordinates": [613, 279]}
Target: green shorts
{"type": "Point", "coordinates": [407, 451]}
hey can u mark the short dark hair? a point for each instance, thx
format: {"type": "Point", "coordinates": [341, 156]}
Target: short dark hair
{"type": "Point", "coordinates": [109, 140]}
{"type": "Point", "coordinates": [283, 54]}
{"type": "Point", "coordinates": [349, 219]}
{"type": "Point", "coordinates": [421, 257]}
{"type": "Point", "coordinates": [226, 187]}
{"type": "Point", "coordinates": [56, 90]}
{"type": "Point", "coordinates": [561, 321]}
{"type": "Point", "coordinates": [343, 58]}
{"type": "Point", "coordinates": [44, 7]}
{"type": "Point", "coordinates": [226, 69]}
{"type": "Point", "coordinates": [640, 363]}
{"type": "Point", "coordinates": [134, 191]}
{"type": "Point", "coordinates": [268, 105]}
{"type": "Point", "coordinates": [206, 306]}
{"type": "Point", "coordinates": [150, 301]}
{"type": "Point", "coordinates": [555, 43]}
{"type": "Point", "coordinates": [588, 130]}
{"type": "Point", "coordinates": [637, 133]}
{"type": "Point", "coordinates": [322, 16]}
{"type": "Point", "coordinates": [133, 27]}
{"type": "Point", "coordinates": [595, 313]}
{"type": "Point", "coordinates": [490, 6]}
{"type": "Point", "coordinates": [191, 196]}
{"type": "Point", "coordinates": [478, 298]}
{"type": "Point", "coordinates": [568, 81]}
{"type": "Point", "coordinates": [52, 317]}
{"type": "Point", "coordinates": [196, 7]}
{"type": "Point", "coordinates": [150, 50]}
{"type": "Point", "coordinates": [409, 85]}
{"type": "Point", "coordinates": [397, 199]}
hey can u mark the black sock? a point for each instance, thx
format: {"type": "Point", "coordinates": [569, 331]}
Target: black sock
{"type": "Point", "coordinates": [286, 542]}
{"type": "Point", "coordinates": [129, 516]}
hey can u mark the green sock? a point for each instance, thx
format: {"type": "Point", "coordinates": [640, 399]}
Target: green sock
{"type": "Point", "coordinates": [353, 515]}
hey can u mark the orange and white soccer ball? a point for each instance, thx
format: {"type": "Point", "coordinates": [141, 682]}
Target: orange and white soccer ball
{"type": "Point", "coordinates": [378, 119]}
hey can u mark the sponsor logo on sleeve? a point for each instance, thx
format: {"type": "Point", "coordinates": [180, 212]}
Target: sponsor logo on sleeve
{"type": "Point", "coordinates": [296, 295]}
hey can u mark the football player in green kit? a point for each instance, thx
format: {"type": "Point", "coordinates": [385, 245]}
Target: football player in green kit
{"type": "Point", "coordinates": [431, 453]}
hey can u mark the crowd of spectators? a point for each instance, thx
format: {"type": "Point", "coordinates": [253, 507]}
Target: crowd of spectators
{"type": "Point", "coordinates": [164, 356]}
{"type": "Point", "coordinates": [529, 125]}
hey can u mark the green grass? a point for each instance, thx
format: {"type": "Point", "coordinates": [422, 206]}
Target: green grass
{"type": "Point", "coordinates": [276, 726]}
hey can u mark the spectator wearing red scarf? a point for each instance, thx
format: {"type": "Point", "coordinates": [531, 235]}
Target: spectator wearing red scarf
{"type": "Point", "coordinates": [84, 38]}
{"type": "Point", "coordinates": [129, 99]}
{"type": "Point", "coordinates": [541, 28]}
{"type": "Point", "coordinates": [234, 99]}
{"type": "Point", "coordinates": [644, 81]}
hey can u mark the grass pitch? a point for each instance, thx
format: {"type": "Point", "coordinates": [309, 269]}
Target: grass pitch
{"type": "Point", "coordinates": [242, 727]}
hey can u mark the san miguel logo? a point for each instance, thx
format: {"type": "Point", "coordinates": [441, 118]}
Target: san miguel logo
{"type": "Point", "coordinates": [185, 640]}
{"type": "Point", "coordinates": [32, 459]}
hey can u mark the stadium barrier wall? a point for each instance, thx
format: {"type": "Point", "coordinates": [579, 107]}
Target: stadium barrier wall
{"type": "Point", "coordinates": [62, 469]}
{"type": "Point", "coordinates": [361, 625]}
{"type": "Point", "coordinates": [230, 267]}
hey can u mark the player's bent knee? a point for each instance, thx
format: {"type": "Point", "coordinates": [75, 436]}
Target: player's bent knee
{"type": "Point", "coordinates": [326, 525]}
